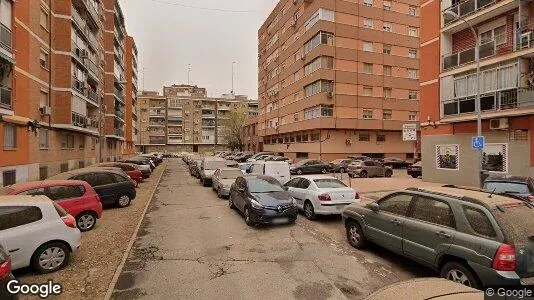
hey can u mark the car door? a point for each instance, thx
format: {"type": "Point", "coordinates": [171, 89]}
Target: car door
{"type": "Point", "coordinates": [385, 227]}
{"type": "Point", "coordinates": [105, 187]}
{"type": "Point", "coordinates": [291, 187]}
{"type": "Point", "coordinates": [429, 230]}
{"type": "Point", "coordinates": [370, 168]}
{"type": "Point", "coordinates": [68, 197]}
{"type": "Point", "coordinates": [299, 190]}
{"type": "Point", "coordinates": [239, 193]}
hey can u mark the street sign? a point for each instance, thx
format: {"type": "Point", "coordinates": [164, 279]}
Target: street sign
{"type": "Point", "coordinates": [478, 142]}
{"type": "Point", "coordinates": [409, 132]}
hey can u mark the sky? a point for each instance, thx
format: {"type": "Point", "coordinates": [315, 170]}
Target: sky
{"type": "Point", "coordinates": [170, 36]}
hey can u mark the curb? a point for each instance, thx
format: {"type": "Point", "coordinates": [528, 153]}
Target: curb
{"type": "Point", "coordinates": [118, 271]}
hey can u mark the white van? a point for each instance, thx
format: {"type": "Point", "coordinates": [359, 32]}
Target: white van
{"type": "Point", "coordinates": [275, 169]}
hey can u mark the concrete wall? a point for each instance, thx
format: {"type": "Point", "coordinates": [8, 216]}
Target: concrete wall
{"type": "Point", "coordinates": [518, 155]}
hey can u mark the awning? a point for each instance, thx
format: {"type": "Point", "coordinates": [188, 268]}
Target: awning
{"type": "Point", "coordinates": [16, 120]}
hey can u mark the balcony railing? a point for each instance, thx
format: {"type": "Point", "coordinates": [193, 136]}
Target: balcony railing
{"type": "Point", "coordinates": [451, 61]}
{"type": "Point", "coordinates": [209, 116]}
{"type": "Point", "coordinates": [91, 66]}
{"type": "Point", "coordinates": [119, 94]}
{"type": "Point", "coordinates": [93, 95]}
{"type": "Point", "coordinates": [119, 132]}
{"type": "Point", "coordinates": [5, 97]}
{"type": "Point", "coordinates": [93, 11]}
{"type": "Point", "coordinates": [5, 38]}
{"type": "Point", "coordinates": [465, 8]}
{"type": "Point", "coordinates": [119, 113]}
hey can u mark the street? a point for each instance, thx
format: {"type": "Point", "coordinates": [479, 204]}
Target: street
{"type": "Point", "coordinates": [191, 245]}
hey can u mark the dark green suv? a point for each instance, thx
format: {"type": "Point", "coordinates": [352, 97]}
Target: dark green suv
{"type": "Point", "coordinates": [472, 237]}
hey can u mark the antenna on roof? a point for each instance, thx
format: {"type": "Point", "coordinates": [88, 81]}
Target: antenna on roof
{"type": "Point", "coordinates": [491, 194]}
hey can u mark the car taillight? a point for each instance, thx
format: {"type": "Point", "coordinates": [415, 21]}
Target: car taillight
{"type": "Point", "coordinates": [357, 196]}
{"type": "Point", "coordinates": [5, 268]}
{"type": "Point", "coordinates": [530, 198]}
{"type": "Point", "coordinates": [504, 258]}
{"type": "Point", "coordinates": [324, 197]}
{"type": "Point", "coordinates": [69, 221]}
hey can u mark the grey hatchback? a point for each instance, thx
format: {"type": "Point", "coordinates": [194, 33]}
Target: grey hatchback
{"type": "Point", "coordinates": [469, 236]}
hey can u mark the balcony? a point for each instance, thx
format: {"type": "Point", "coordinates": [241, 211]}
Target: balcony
{"type": "Point", "coordinates": [208, 116]}
{"type": "Point", "coordinates": [174, 118]}
{"type": "Point", "coordinates": [156, 133]}
{"type": "Point", "coordinates": [156, 124]}
{"type": "Point", "coordinates": [157, 140]}
{"type": "Point", "coordinates": [465, 8]}
{"type": "Point", "coordinates": [119, 95]}
{"type": "Point", "coordinates": [451, 61]}
{"type": "Point", "coordinates": [93, 11]}
{"type": "Point", "coordinates": [6, 100]}
{"type": "Point", "coordinates": [92, 67]}
{"type": "Point", "coordinates": [6, 38]}
{"type": "Point", "coordinates": [119, 132]}
{"type": "Point", "coordinates": [224, 107]}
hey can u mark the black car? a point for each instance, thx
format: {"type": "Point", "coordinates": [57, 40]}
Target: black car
{"type": "Point", "coordinates": [114, 188]}
{"type": "Point", "coordinates": [154, 159]}
{"type": "Point", "coordinates": [415, 170]}
{"type": "Point", "coordinates": [309, 166]}
{"type": "Point", "coordinates": [5, 274]}
{"type": "Point", "coordinates": [516, 185]}
{"type": "Point", "coordinates": [194, 168]}
{"type": "Point", "coordinates": [395, 163]}
{"type": "Point", "coordinates": [263, 200]}
{"type": "Point", "coordinates": [242, 157]}
{"type": "Point", "coordinates": [340, 165]}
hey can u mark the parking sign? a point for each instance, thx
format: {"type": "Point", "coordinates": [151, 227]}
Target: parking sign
{"type": "Point", "coordinates": [409, 132]}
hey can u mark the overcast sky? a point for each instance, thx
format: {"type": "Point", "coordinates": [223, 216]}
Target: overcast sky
{"type": "Point", "coordinates": [169, 37]}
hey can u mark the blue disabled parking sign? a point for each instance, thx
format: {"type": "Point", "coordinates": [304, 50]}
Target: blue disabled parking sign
{"type": "Point", "coordinates": [478, 142]}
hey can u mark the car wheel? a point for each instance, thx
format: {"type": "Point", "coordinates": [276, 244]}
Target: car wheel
{"type": "Point", "coordinates": [248, 219]}
{"type": "Point", "coordinates": [205, 182]}
{"type": "Point", "coordinates": [123, 201]}
{"type": "Point", "coordinates": [231, 202]}
{"type": "Point", "coordinates": [50, 257]}
{"type": "Point", "coordinates": [309, 212]}
{"type": "Point", "coordinates": [86, 221]}
{"type": "Point", "coordinates": [299, 172]}
{"type": "Point", "coordinates": [341, 170]}
{"type": "Point", "coordinates": [457, 272]}
{"type": "Point", "coordinates": [414, 176]}
{"type": "Point", "coordinates": [363, 174]}
{"type": "Point", "coordinates": [355, 235]}
{"type": "Point", "coordinates": [324, 171]}
{"type": "Point", "coordinates": [388, 173]}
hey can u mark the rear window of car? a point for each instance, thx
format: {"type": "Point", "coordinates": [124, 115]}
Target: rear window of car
{"type": "Point", "coordinates": [60, 210]}
{"type": "Point", "coordinates": [507, 187]}
{"type": "Point", "coordinates": [65, 192]}
{"type": "Point", "coordinates": [329, 183]}
{"type": "Point", "coordinates": [14, 216]}
{"type": "Point", "coordinates": [516, 221]}
{"type": "Point", "coordinates": [479, 221]}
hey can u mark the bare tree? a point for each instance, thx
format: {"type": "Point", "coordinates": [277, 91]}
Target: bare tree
{"type": "Point", "coordinates": [233, 128]}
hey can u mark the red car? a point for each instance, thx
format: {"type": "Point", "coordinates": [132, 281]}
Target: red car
{"type": "Point", "coordinates": [77, 197]}
{"type": "Point", "coordinates": [130, 169]}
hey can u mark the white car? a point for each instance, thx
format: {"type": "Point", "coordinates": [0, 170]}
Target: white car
{"type": "Point", "coordinates": [320, 195]}
{"type": "Point", "coordinates": [37, 233]}
{"type": "Point", "coordinates": [277, 169]}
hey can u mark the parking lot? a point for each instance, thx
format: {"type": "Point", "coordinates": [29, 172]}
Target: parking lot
{"type": "Point", "coordinates": [192, 246]}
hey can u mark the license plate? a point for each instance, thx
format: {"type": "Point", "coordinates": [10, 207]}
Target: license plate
{"type": "Point", "coordinates": [280, 220]}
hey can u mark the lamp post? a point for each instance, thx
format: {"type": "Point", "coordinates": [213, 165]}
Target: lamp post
{"type": "Point", "coordinates": [478, 107]}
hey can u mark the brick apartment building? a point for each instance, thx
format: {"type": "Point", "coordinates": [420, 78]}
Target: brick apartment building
{"type": "Point", "coordinates": [449, 87]}
{"type": "Point", "coordinates": [339, 77]}
{"type": "Point", "coordinates": [185, 119]}
{"type": "Point", "coordinates": [54, 61]}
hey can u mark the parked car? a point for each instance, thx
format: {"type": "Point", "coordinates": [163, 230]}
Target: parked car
{"type": "Point", "coordinates": [469, 236]}
{"type": "Point", "coordinates": [320, 195]}
{"type": "Point", "coordinates": [309, 166]}
{"type": "Point", "coordinates": [395, 163]}
{"type": "Point", "coordinates": [516, 185]}
{"type": "Point", "coordinates": [144, 166]}
{"type": "Point", "coordinates": [256, 156]}
{"type": "Point", "coordinates": [153, 160]}
{"type": "Point", "coordinates": [5, 274]}
{"type": "Point", "coordinates": [340, 165]}
{"type": "Point", "coordinates": [113, 187]}
{"type": "Point", "coordinates": [359, 157]}
{"type": "Point", "coordinates": [278, 158]}
{"type": "Point", "coordinates": [415, 170]}
{"type": "Point", "coordinates": [368, 168]}
{"type": "Point", "coordinates": [77, 197]}
{"type": "Point", "coordinates": [426, 288]}
{"type": "Point", "coordinates": [243, 157]}
{"type": "Point", "coordinates": [37, 232]}
{"type": "Point", "coordinates": [276, 169]}
{"type": "Point", "coordinates": [130, 169]}
{"type": "Point", "coordinates": [194, 167]}
{"type": "Point", "coordinates": [262, 199]}
{"type": "Point", "coordinates": [141, 161]}
{"type": "Point", "coordinates": [222, 180]}
{"type": "Point", "coordinates": [208, 166]}
{"type": "Point", "coordinates": [156, 158]}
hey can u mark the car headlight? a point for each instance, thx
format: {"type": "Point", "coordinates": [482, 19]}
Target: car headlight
{"type": "Point", "coordinates": [256, 204]}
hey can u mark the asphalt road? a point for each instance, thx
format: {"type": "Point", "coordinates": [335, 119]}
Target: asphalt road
{"type": "Point", "coordinates": [191, 245]}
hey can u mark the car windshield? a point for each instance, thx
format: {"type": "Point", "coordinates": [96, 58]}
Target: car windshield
{"type": "Point", "coordinates": [231, 174]}
{"type": "Point", "coordinates": [329, 183]}
{"type": "Point", "coordinates": [506, 187]}
{"type": "Point", "coordinates": [263, 185]}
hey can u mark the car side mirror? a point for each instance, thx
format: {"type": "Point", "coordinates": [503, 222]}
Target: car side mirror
{"type": "Point", "coordinates": [374, 207]}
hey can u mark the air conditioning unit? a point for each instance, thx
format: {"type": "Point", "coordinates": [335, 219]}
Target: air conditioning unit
{"type": "Point", "coordinates": [45, 110]}
{"type": "Point", "coordinates": [329, 94]}
{"type": "Point", "coordinates": [497, 124]}
{"type": "Point", "coordinates": [348, 142]}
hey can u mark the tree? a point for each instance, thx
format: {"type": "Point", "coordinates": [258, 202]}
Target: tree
{"type": "Point", "coordinates": [233, 128]}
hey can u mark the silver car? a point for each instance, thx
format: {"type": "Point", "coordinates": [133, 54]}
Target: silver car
{"type": "Point", "coordinates": [368, 168]}
{"type": "Point", "coordinates": [222, 180]}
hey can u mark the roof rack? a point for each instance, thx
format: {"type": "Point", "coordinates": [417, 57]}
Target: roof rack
{"type": "Point", "coordinates": [463, 198]}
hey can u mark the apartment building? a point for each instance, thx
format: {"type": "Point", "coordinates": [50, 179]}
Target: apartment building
{"type": "Point", "coordinates": [339, 77]}
{"type": "Point", "coordinates": [131, 129]}
{"type": "Point", "coordinates": [253, 142]}
{"type": "Point", "coordinates": [504, 30]}
{"type": "Point", "coordinates": [52, 87]}
{"type": "Point", "coordinates": [184, 118]}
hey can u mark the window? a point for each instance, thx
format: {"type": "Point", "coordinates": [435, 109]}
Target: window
{"type": "Point", "coordinates": [43, 99]}
{"type": "Point", "coordinates": [43, 139]}
{"type": "Point", "coordinates": [368, 2]}
{"type": "Point", "coordinates": [412, 53]}
{"type": "Point", "coordinates": [413, 95]}
{"type": "Point", "coordinates": [364, 137]}
{"type": "Point", "coordinates": [412, 116]}
{"type": "Point", "coordinates": [14, 216]}
{"type": "Point", "coordinates": [317, 87]}
{"type": "Point", "coordinates": [324, 62]}
{"type": "Point", "coordinates": [43, 59]}
{"type": "Point", "coordinates": [81, 164]}
{"type": "Point", "coordinates": [368, 91]}
{"type": "Point", "coordinates": [368, 23]}
{"type": "Point", "coordinates": [387, 71]}
{"type": "Point", "coordinates": [479, 222]}
{"type": "Point", "coordinates": [387, 49]}
{"type": "Point", "coordinates": [322, 38]}
{"type": "Point", "coordinates": [315, 136]}
{"type": "Point", "coordinates": [321, 14]}
{"type": "Point", "coordinates": [67, 141]}
{"type": "Point", "coordinates": [413, 74]}
{"type": "Point", "coordinates": [386, 114]}
{"type": "Point", "coordinates": [388, 27]}
{"type": "Point", "coordinates": [10, 136]}
{"type": "Point", "coordinates": [43, 18]}
{"type": "Point", "coordinates": [104, 178]}
{"type": "Point", "coordinates": [368, 68]}
{"type": "Point", "coordinates": [34, 192]}
{"type": "Point", "coordinates": [380, 137]}
{"type": "Point", "coordinates": [412, 31]}
{"type": "Point", "coordinates": [497, 34]}
{"type": "Point", "coordinates": [388, 92]}
{"type": "Point", "coordinates": [43, 173]}
{"type": "Point", "coordinates": [397, 204]}
{"type": "Point", "coordinates": [305, 137]}
{"type": "Point", "coordinates": [368, 46]}
{"type": "Point", "coordinates": [9, 177]}
{"type": "Point", "coordinates": [412, 10]}
{"type": "Point", "coordinates": [302, 154]}
{"type": "Point", "coordinates": [433, 211]}
{"type": "Point", "coordinates": [64, 167]}
{"type": "Point", "coordinates": [93, 143]}
{"type": "Point", "coordinates": [295, 117]}
{"type": "Point", "coordinates": [82, 142]}
{"type": "Point", "coordinates": [367, 114]}
{"type": "Point", "coordinates": [65, 192]}
{"type": "Point", "coordinates": [119, 178]}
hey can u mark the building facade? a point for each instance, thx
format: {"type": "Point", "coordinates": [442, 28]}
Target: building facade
{"type": "Point", "coordinates": [449, 88]}
{"type": "Point", "coordinates": [338, 78]}
{"type": "Point", "coordinates": [184, 118]}
{"type": "Point", "coordinates": [52, 87]}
